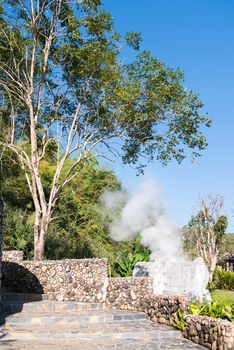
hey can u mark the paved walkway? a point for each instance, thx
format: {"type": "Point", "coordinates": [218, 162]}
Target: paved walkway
{"type": "Point", "coordinates": [136, 335]}
{"type": "Point", "coordinates": [53, 325]}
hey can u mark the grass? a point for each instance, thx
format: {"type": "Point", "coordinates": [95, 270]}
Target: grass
{"type": "Point", "coordinates": [225, 297]}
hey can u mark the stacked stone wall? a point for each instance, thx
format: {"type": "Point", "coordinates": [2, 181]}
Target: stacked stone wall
{"type": "Point", "coordinates": [213, 333]}
{"type": "Point", "coordinates": [86, 281]}
{"type": "Point", "coordinates": [126, 293]}
{"type": "Point", "coordinates": [137, 294]}
{"type": "Point", "coordinates": [79, 280]}
{"type": "Point", "coordinates": [162, 309]}
{"type": "Point", "coordinates": [12, 256]}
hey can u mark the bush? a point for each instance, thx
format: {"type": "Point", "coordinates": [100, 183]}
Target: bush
{"type": "Point", "coordinates": [222, 280]}
{"type": "Point", "coordinates": [214, 309]}
{"type": "Point", "coordinates": [123, 266]}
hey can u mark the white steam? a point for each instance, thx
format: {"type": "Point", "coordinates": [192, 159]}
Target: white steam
{"type": "Point", "coordinates": [143, 212]}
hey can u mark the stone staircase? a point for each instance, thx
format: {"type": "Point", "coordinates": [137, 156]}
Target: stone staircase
{"type": "Point", "coordinates": [35, 322]}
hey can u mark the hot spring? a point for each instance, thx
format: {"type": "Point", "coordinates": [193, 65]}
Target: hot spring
{"type": "Point", "coordinates": [170, 278]}
{"type": "Point", "coordinates": [143, 212]}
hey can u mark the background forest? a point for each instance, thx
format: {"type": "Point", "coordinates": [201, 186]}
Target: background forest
{"type": "Point", "coordinates": [80, 227]}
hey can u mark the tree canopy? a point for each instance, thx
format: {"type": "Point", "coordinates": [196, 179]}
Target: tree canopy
{"type": "Point", "coordinates": [205, 233]}
{"type": "Point", "coordinates": [64, 86]}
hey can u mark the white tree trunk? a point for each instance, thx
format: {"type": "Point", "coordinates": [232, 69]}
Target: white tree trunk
{"type": "Point", "coordinates": [41, 225]}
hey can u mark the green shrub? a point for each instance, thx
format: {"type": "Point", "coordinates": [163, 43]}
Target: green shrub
{"type": "Point", "coordinates": [214, 309]}
{"type": "Point", "coordinates": [222, 280]}
{"type": "Point", "coordinates": [123, 265]}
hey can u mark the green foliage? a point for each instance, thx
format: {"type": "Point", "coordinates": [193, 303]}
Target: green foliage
{"type": "Point", "coordinates": [222, 280]}
{"type": "Point", "coordinates": [214, 309]}
{"type": "Point", "coordinates": [13, 185]}
{"type": "Point", "coordinates": [18, 231]}
{"type": "Point", "coordinates": [71, 52]}
{"type": "Point", "coordinates": [205, 233]}
{"type": "Point", "coordinates": [133, 40]}
{"type": "Point", "coordinates": [80, 223]}
{"type": "Point", "coordinates": [79, 229]}
{"type": "Point", "coordinates": [144, 101]}
{"type": "Point", "coordinates": [178, 320]}
{"type": "Point", "coordinates": [200, 225]}
{"type": "Point", "coordinates": [219, 228]}
{"type": "Point", "coordinates": [123, 265]}
{"type": "Point", "coordinates": [228, 244]}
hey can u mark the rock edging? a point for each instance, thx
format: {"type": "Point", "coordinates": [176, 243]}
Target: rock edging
{"type": "Point", "coordinates": [213, 333]}
{"type": "Point", "coordinates": [136, 294]}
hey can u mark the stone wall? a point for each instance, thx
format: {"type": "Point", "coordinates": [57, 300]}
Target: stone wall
{"type": "Point", "coordinates": [137, 294]}
{"type": "Point", "coordinates": [86, 281]}
{"type": "Point", "coordinates": [81, 280]}
{"type": "Point", "coordinates": [213, 333]}
{"type": "Point", "coordinates": [161, 309]}
{"type": "Point", "coordinates": [126, 293]}
{"type": "Point", "coordinates": [12, 255]}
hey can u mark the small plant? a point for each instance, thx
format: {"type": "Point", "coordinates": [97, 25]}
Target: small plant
{"type": "Point", "coordinates": [214, 309]}
{"type": "Point", "coordinates": [178, 320]}
{"type": "Point", "coordinates": [196, 309]}
{"type": "Point", "coordinates": [123, 266]}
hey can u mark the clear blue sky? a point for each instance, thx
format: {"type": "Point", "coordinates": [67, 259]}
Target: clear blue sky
{"type": "Point", "coordinates": [198, 37]}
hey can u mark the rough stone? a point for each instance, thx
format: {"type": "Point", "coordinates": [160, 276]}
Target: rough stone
{"type": "Point", "coordinates": [12, 255]}
{"type": "Point", "coordinates": [215, 334]}
{"type": "Point", "coordinates": [84, 280]}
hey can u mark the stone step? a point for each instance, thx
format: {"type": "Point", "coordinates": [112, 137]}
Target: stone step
{"type": "Point", "coordinates": [102, 343]}
{"type": "Point", "coordinates": [118, 330]}
{"type": "Point", "coordinates": [7, 290]}
{"type": "Point", "coordinates": [76, 334]}
{"type": "Point", "coordinates": [48, 306]}
{"type": "Point", "coordinates": [62, 318]}
{"type": "Point", "coordinates": [26, 297]}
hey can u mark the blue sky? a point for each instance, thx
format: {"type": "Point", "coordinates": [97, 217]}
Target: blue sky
{"type": "Point", "coordinates": [198, 37]}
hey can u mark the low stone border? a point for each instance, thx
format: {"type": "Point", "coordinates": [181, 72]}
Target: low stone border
{"type": "Point", "coordinates": [213, 333]}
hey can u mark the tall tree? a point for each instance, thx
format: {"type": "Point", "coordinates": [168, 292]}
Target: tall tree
{"type": "Point", "coordinates": [205, 232]}
{"type": "Point", "coordinates": [63, 85]}
{"type": "Point", "coordinates": [79, 228]}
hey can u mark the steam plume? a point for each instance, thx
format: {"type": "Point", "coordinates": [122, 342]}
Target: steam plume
{"type": "Point", "coordinates": [143, 212]}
